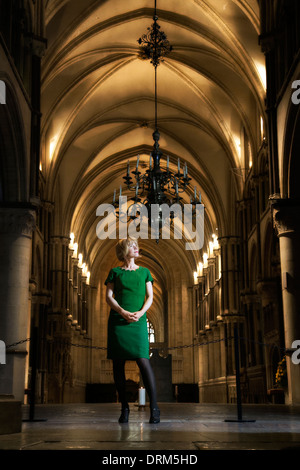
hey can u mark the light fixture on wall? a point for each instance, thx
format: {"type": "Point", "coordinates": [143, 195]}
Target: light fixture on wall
{"type": "Point", "coordinates": [157, 185]}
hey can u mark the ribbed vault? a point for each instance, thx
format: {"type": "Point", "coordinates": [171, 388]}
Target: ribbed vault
{"type": "Point", "coordinates": [98, 113]}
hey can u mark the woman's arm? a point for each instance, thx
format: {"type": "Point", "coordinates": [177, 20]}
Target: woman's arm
{"type": "Point", "coordinates": [148, 302]}
{"type": "Point", "coordinates": [129, 316]}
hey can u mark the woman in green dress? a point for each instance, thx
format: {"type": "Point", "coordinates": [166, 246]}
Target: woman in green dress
{"type": "Point", "coordinates": [129, 293]}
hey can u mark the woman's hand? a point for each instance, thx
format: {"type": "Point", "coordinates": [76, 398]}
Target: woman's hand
{"type": "Point", "coordinates": [131, 317]}
{"type": "Point", "coordinates": [137, 315]}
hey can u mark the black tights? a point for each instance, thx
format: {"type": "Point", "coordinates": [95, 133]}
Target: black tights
{"type": "Point", "coordinates": [147, 376]}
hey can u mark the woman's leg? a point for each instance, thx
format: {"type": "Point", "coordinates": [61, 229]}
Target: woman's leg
{"type": "Point", "coordinates": [150, 385]}
{"type": "Point", "coordinates": [120, 380]}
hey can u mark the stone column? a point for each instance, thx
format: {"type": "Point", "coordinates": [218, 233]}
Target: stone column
{"type": "Point", "coordinates": [223, 371]}
{"type": "Point", "coordinates": [286, 220]}
{"type": "Point", "coordinates": [230, 275]}
{"type": "Point", "coordinates": [59, 269]}
{"type": "Point", "coordinates": [16, 226]}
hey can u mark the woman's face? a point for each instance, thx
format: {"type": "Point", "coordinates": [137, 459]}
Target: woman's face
{"type": "Point", "coordinates": [133, 250]}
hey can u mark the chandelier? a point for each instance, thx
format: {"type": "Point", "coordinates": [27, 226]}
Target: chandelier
{"type": "Point", "coordinates": [158, 185]}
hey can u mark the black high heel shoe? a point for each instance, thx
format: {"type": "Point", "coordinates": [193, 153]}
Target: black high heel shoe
{"type": "Point", "coordinates": [124, 415]}
{"type": "Point", "coordinates": [155, 416]}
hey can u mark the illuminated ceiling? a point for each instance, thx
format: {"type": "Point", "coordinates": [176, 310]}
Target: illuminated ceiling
{"type": "Point", "coordinates": [98, 102]}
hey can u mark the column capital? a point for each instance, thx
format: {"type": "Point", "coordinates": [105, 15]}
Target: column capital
{"type": "Point", "coordinates": [48, 205]}
{"type": "Point", "coordinates": [17, 220]}
{"type": "Point", "coordinates": [285, 214]}
{"type": "Point", "coordinates": [227, 239]}
{"type": "Point", "coordinates": [60, 239]}
{"type": "Point", "coordinates": [36, 44]}
{"type": "Point", "coordinates": [267, 42]}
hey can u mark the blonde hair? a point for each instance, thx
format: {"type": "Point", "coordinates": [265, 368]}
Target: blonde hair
{"type": "Point", "coordinates": [122, 247]}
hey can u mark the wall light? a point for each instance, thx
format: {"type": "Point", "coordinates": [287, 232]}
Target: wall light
{"type": "Point", "coordinates": [72, 238]}
{"type": "Point", "coordinates": [75, 248]}
{"type": "Point", "coordinates": [84, 269]}
{"type": "Point", "coordinates": [200, 269]}
{"type": "Point", "coordinates": [262, 131]}
{"type": "Point", "coordinates": [52, 146]}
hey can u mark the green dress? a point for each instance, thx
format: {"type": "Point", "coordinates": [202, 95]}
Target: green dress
{"type": "Point", "coordinates": [128, 340]}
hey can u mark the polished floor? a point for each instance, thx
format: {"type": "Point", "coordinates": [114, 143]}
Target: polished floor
{"type": "Point", "coordinates": [188, 427]}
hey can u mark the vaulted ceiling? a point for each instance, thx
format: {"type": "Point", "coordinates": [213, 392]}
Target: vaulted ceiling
{"type": "Point", "coordinates": [98, 102]}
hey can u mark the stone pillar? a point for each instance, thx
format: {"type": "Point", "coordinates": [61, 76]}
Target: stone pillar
{"type": "Point", "coordinates": [286, 220]}
{"type": "Point", "coordinates": [217, 355]}
{"type": "Point", "coordinates": [230, 275]}
{"type": "Point", "coordinates": [223, 369]}
{"type": "Point", "coordinates": [230, 304]}
{"type": "Point", "coordinates": [16, 226]}
{"type": "Point", "coordinates": [59, 269]}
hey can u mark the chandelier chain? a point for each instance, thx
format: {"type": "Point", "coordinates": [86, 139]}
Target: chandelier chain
{"type": "Point", "coordinates": [157, 186]}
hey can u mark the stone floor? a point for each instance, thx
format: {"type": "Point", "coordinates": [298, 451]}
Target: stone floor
{"type": "Point", "coordinates": [186, 427]}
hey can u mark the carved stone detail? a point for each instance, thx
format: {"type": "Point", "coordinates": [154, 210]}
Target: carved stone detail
{"type": "Point", "coordinates": [17, 221]}
{"type": "Point", "coordinates": [285, 214]}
